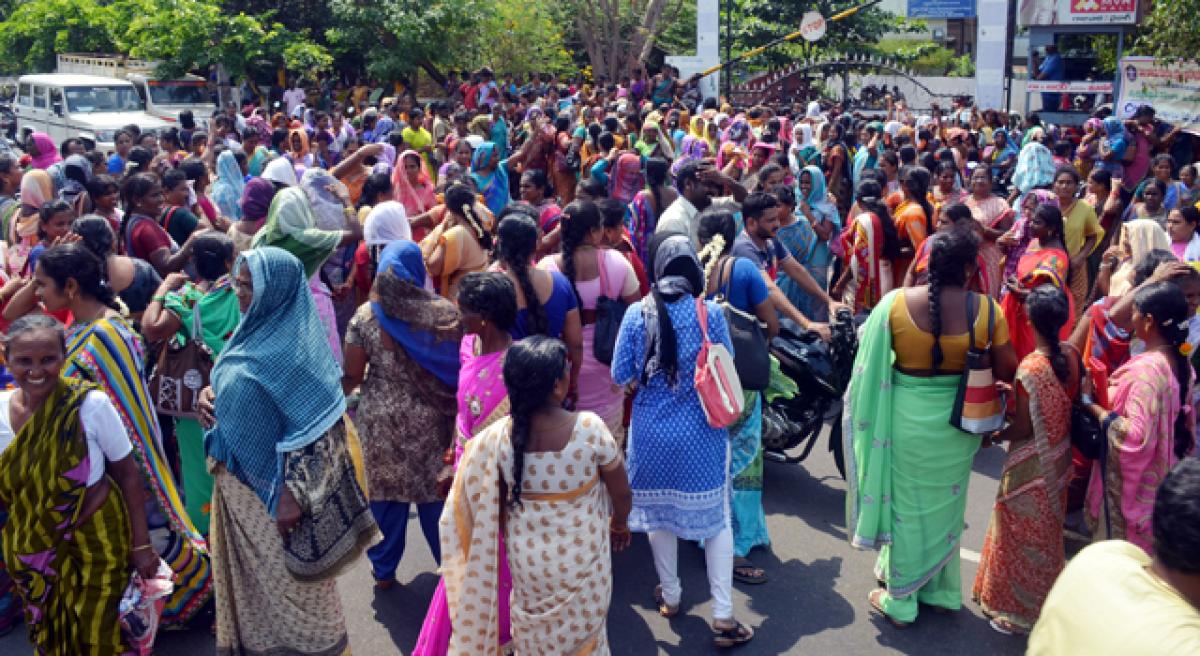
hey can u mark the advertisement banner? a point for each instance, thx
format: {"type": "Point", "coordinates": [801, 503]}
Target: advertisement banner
{"type": "Point", "coordinates": [1173, 91]}
{"type": "Point", "coordinates": [941, 8]}
{"type": "Point", "coordinates": [1078, 12]}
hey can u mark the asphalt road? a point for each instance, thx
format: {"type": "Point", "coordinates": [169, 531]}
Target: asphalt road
{"type": "Point", "coordinates": [814, 603]}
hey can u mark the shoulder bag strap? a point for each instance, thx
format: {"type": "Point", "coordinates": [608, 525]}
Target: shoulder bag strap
{"type": "Point", "coordinates": [967, 302]}
{"type": "Point", "coordinates": [197, 324]}
{"type": "Point", "coordinates": [728, 275]}
{"type": "Point", "coordinates": [702, 317]}
{"type": "Point", "coordinates": [991, 321]}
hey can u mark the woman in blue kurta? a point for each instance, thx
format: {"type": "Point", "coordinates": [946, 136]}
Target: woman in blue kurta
{"type": "Point", "coordinates": [677, 462]}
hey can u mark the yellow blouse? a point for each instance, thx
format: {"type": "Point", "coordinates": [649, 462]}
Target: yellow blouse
{"type": "Point", "coordinates": [914, 347]}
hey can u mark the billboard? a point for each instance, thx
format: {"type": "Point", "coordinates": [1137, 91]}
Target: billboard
{"type": "Point", "coordinates": [1077, 12]}
{"type": "Point", "coordinates": [1173, 91]}
{"type": "Point", "coordinates": [941, 8]}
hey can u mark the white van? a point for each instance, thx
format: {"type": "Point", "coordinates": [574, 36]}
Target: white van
{"type": "Point", "coordinates": [167, 98]}
{"type": "Point", "coordinates": [163, 98]}
{"type": "Point", "coordinates": [85, 106]}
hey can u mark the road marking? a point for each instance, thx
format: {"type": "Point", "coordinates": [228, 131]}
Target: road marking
{"type": "Point", "coordinates": [967, 554]}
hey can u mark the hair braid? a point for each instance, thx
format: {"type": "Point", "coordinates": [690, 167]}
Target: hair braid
{"type": "Point", "coordinates": [532, 367]}
{"type": "Point", "coordinates": [935, 309]}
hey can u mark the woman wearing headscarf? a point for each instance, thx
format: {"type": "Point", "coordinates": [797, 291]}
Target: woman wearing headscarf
{"type": "Point", "coordinates": [37, 189]}
{"type": "Point", "coordinates": [289, 513]}
{"type": "Point", "coordinates": [803, 150]}
{"type": "Point", "coordinates": [678, 492]}
{"type": "Point", "coordinates": [812, 207]}
{"type": "Point", "coordinates": [1035, 167]}
{"type": "Point", "coordinates": [402, 348]}
{"type": "Point", "coordinates": [490, 174]}
{"type": "Point", "coordinates": [1113, 146]}
{"type": "Point", "coordinates": [254, 205]}
{"type": "Point", "coordinates": [282, 171]}
{"type": "Point", "coordinates": [325, 195]}
{"type": "Point", "coordinates": [1017, 239]}
{"type": "Point", "coordinates": [77, 173]}
{"type": "Point", "coordinates": [41, 148]}
{"type": "Point", "coordinates": [691, 150]}
{"type": "Point", "coordinates": [229, 186]}
{"type": "Point", "coordinates": [626, 178]}
{"type": "Point", "coordinates": [1137, 239]}
{"type": "Point", "coordinates": [413, 187]}
{"type": "Point", "coordinates": [1000, 155]}
{"type": "Point", "coordinates": [292, 226]}
{"type": "Point", "coordinates": [653, 143]}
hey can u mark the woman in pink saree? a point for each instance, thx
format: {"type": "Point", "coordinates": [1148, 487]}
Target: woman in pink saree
{"type": "Point", "coordinates": [1149, 422]}
{"type": "Point", "coordinates": [488, 302]}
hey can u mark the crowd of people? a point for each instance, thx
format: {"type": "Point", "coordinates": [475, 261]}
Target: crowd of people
{"type": "Point", "coordinates": [246, 348]}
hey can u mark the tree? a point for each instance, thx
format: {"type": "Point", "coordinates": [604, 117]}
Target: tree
{"type": "Point", "coordinates": [35, 32]}
{"type": "Point", "coordinates": [398, 36]}
{"type": "Point", "coordinates": [1171, 31]}
{"type": "Point", "coordinates": [756, 22]}
{"type": "Point", "coordinates": [523, 37]}
{"type": "Point", "coordinates": [617, 36]}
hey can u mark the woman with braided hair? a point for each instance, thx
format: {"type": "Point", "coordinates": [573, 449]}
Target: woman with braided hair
{"type": "Point", "coordinates": [593, 272]}
{"type": "Point", "coordinates": [902, 451]}
{"type": "Point", "coordinates": [459, 244]}
{"type": "Point", "coordinates": [553, 474]}
{"type": "Point", "coordinates": [737, 281]}
{"type": "Point", "coordinates": [1023, 550]}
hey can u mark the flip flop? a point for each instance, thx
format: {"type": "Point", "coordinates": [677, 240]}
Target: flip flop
{"type": "Point", "coordinates": [746, 572]}
{"type": "Point", "coordinates": [738, 634]}
{"type": "Point", "coordinates": [1004, 627]}
{"type": "Point", "coordinates": [875, 598]}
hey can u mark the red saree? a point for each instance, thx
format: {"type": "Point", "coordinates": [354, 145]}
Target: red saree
{"type": "Point", "coordinates": [1037, 266]}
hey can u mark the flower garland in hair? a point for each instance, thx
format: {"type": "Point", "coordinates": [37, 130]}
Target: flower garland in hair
{"type": "Point", "coordinates": [710, 254]}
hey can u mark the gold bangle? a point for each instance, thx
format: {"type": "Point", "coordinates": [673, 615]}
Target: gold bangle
{"type": "Point", "coordinates": [144, 546]}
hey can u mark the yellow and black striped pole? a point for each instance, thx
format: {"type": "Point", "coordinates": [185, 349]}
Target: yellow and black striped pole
{"type": "Point", "coordinates": [786, 38]}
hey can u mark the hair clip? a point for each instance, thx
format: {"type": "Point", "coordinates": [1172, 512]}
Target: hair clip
{"type": "Point", "coordinates": [1168, 322]}
{"type": "Point", "coordinates": [1185, 349]}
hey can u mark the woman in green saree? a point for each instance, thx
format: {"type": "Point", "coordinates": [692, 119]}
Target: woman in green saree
{"type": "Point", "coordinates": [908, 467]}
{"type": "Point", "coordinates": [207, 311]}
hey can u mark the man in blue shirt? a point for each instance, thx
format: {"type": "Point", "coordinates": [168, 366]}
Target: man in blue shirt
{"type": "Point", "coordinates": [757, 243]}
{"type": "Point", "coordinates": [1053, 69]}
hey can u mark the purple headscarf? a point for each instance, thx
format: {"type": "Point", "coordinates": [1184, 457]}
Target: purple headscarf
{"type": "Point", "coordinates": [256, 199]}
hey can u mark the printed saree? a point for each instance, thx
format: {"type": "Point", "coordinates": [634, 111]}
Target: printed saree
{"type": "Point", "coordinates": [107, 352]}
{"type": "Point", "coordinates": [69, 575]}
{"type": "Point", "coordinates": [1023, 549]}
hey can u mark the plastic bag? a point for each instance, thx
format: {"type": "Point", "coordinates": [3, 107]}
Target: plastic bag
{"type": "Point", "coordinates": [141, 606]}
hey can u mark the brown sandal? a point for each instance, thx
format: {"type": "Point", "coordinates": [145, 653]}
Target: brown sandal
{"type": "Point", "coordinates": [738, 634]}
{"type": "Point", "coordinates": [664, 609]}
{"type": "Point", "coordinates": [875, 598]}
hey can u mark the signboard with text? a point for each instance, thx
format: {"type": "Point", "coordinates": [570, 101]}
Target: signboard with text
{"type": "Point", "coordinates": [1173, 91]}
{"type": "Point", "coordinates": [1078, 12]}
{"type": "Point", "coordinates": [941, 8]}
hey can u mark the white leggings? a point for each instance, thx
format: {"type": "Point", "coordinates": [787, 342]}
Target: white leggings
{"type": "Point", "coordinates": [718, 558]}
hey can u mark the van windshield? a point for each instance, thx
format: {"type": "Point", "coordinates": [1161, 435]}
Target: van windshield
{"type": "Point", "coordinates": [90, 100]}
{"type": "Point", "coordinates": [178, 93]}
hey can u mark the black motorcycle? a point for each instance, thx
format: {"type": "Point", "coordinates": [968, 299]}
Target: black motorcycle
{"type": "Point", "coordinates": [822, 372]}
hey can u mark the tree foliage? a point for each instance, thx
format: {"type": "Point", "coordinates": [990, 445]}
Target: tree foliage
{"type": "Point", "coordinates": [1171, 31]}
{"type": "Point", "coordinates": [756, 22]}
{"type": "Point", "coordinates": [181, 34]}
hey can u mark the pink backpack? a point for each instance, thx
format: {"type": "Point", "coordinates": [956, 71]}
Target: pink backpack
{"type": "Point", "coordinates": [716, 378]}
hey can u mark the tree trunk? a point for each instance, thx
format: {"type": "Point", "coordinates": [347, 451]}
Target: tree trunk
{"type": "Point", "coordinates": [648, 30]}
{"type": "Point", "coordinates": [434, 73]}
